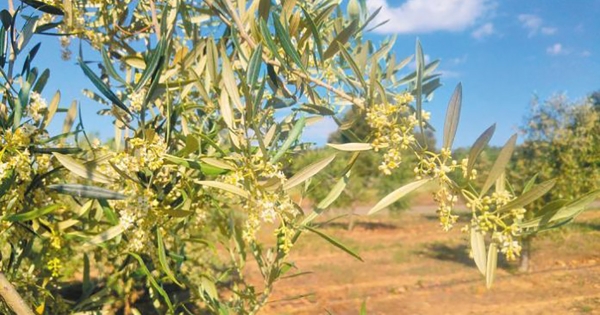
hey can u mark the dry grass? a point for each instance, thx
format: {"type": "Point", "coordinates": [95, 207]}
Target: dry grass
{"type": "Point", "coordinates": [412, 267]}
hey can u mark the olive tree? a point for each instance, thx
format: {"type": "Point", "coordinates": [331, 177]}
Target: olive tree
{"type": "Point", "coordinates": [561, 142]}
{"type": "Point", "coordinates": [209, 100]}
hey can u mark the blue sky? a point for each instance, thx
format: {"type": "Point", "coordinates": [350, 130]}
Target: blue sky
{"type": "Point", "coordinates": [503, 52]}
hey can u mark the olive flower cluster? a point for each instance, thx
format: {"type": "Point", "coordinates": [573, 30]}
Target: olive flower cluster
{"type": "Point", "coordinates": [393, 128]}
{"type": "Point", "coordinates": [136, 100]}
{"type": "Point", "coordinates": [37, 106]}
{"type": "Point", "coordinates": [17, 161]}
{"type": "Point", "coordinates": [96, 21]}
{"type": "Point", "coordinates": [489, 217]}
{"type": "Point", "coordinates": [267, 201]}
{"type": "Point", "coordinates": [18, 168]}
{"type": "Point", "coordinates": [141, 154]}
{"type": "Point", "coordinates": [438, 166]}
{"type": "Point", "coordinates": [139, 213]}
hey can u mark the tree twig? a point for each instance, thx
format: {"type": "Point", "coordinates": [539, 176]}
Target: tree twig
{"type": "Point", "coordinates": [10, 295]}
{"type": "Point", "coordinates": [11, 7]}
{"type": "Point", "coordinates": [155, 19]}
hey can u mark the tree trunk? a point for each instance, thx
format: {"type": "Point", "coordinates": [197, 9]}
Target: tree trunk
{"type": "Point", "coordinates": [524, 263]}
{"type": "Point", "coordinates": [12, 297]}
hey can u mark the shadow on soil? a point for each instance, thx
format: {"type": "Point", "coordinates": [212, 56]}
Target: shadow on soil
{"type": "Point", "coordinates": [445, 252]}
{"type": "Point", "coordinates": [359, 225]}
{"type": "Point", "coordinates": [586, 226]}
{"type": "Point", "coordinates": [73, 291]}
{"type": "Point", "coordinates": [458, 254]}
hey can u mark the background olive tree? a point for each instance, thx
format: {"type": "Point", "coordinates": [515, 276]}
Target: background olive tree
{"type": "Point", "coordinates": [561, 142]}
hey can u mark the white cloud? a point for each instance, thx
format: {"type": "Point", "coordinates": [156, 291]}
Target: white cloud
{"type": "Point", "coordinates": [556, 49]}
{"type": "Point", "coordinates": [530, 22]}
{"type": "Point", "coordinates": [446, 74]}
{"type": "Point", "coordinates": [458, 60]}
{"type": "Point", "coordinates": [427, 58]}
{"type": "Point", "coordinates": [484, 30]}
{"type": "Point", "coordinates": [534, 24]}
{"type": "Point", "coordinates": [423, 16]}
{"type": "Point", "coordinates": [586, 53]}
{"type": "Point", "coordinates": [549, 30]}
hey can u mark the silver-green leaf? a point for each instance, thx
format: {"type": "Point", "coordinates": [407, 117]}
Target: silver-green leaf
{"type": "Point", "coordinates": [500, 164]}
{"type": "Point", "coordinates": [307, 172]}
{"type": "Point", "coordinates": [397, 194]}
{"type": "Point", "coordinates": [452, 117]}
{"type": "Point", "coordinates": [478, 248]}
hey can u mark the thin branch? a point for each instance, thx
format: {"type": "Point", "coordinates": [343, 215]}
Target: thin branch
{"type": "Point", "coordinates": [155, 19]}
{"type": "Point", "coordinates": [12, 297]}
{"type": "Point", "coordinates": [239, 24]}
{"type": "Point", "coordinates": [219, 13]}
{"type": "Point", "coordinates": [11, 7]}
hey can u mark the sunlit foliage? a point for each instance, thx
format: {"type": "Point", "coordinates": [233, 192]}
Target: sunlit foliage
{"type": "Point", "coordinates": [209, 100]}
